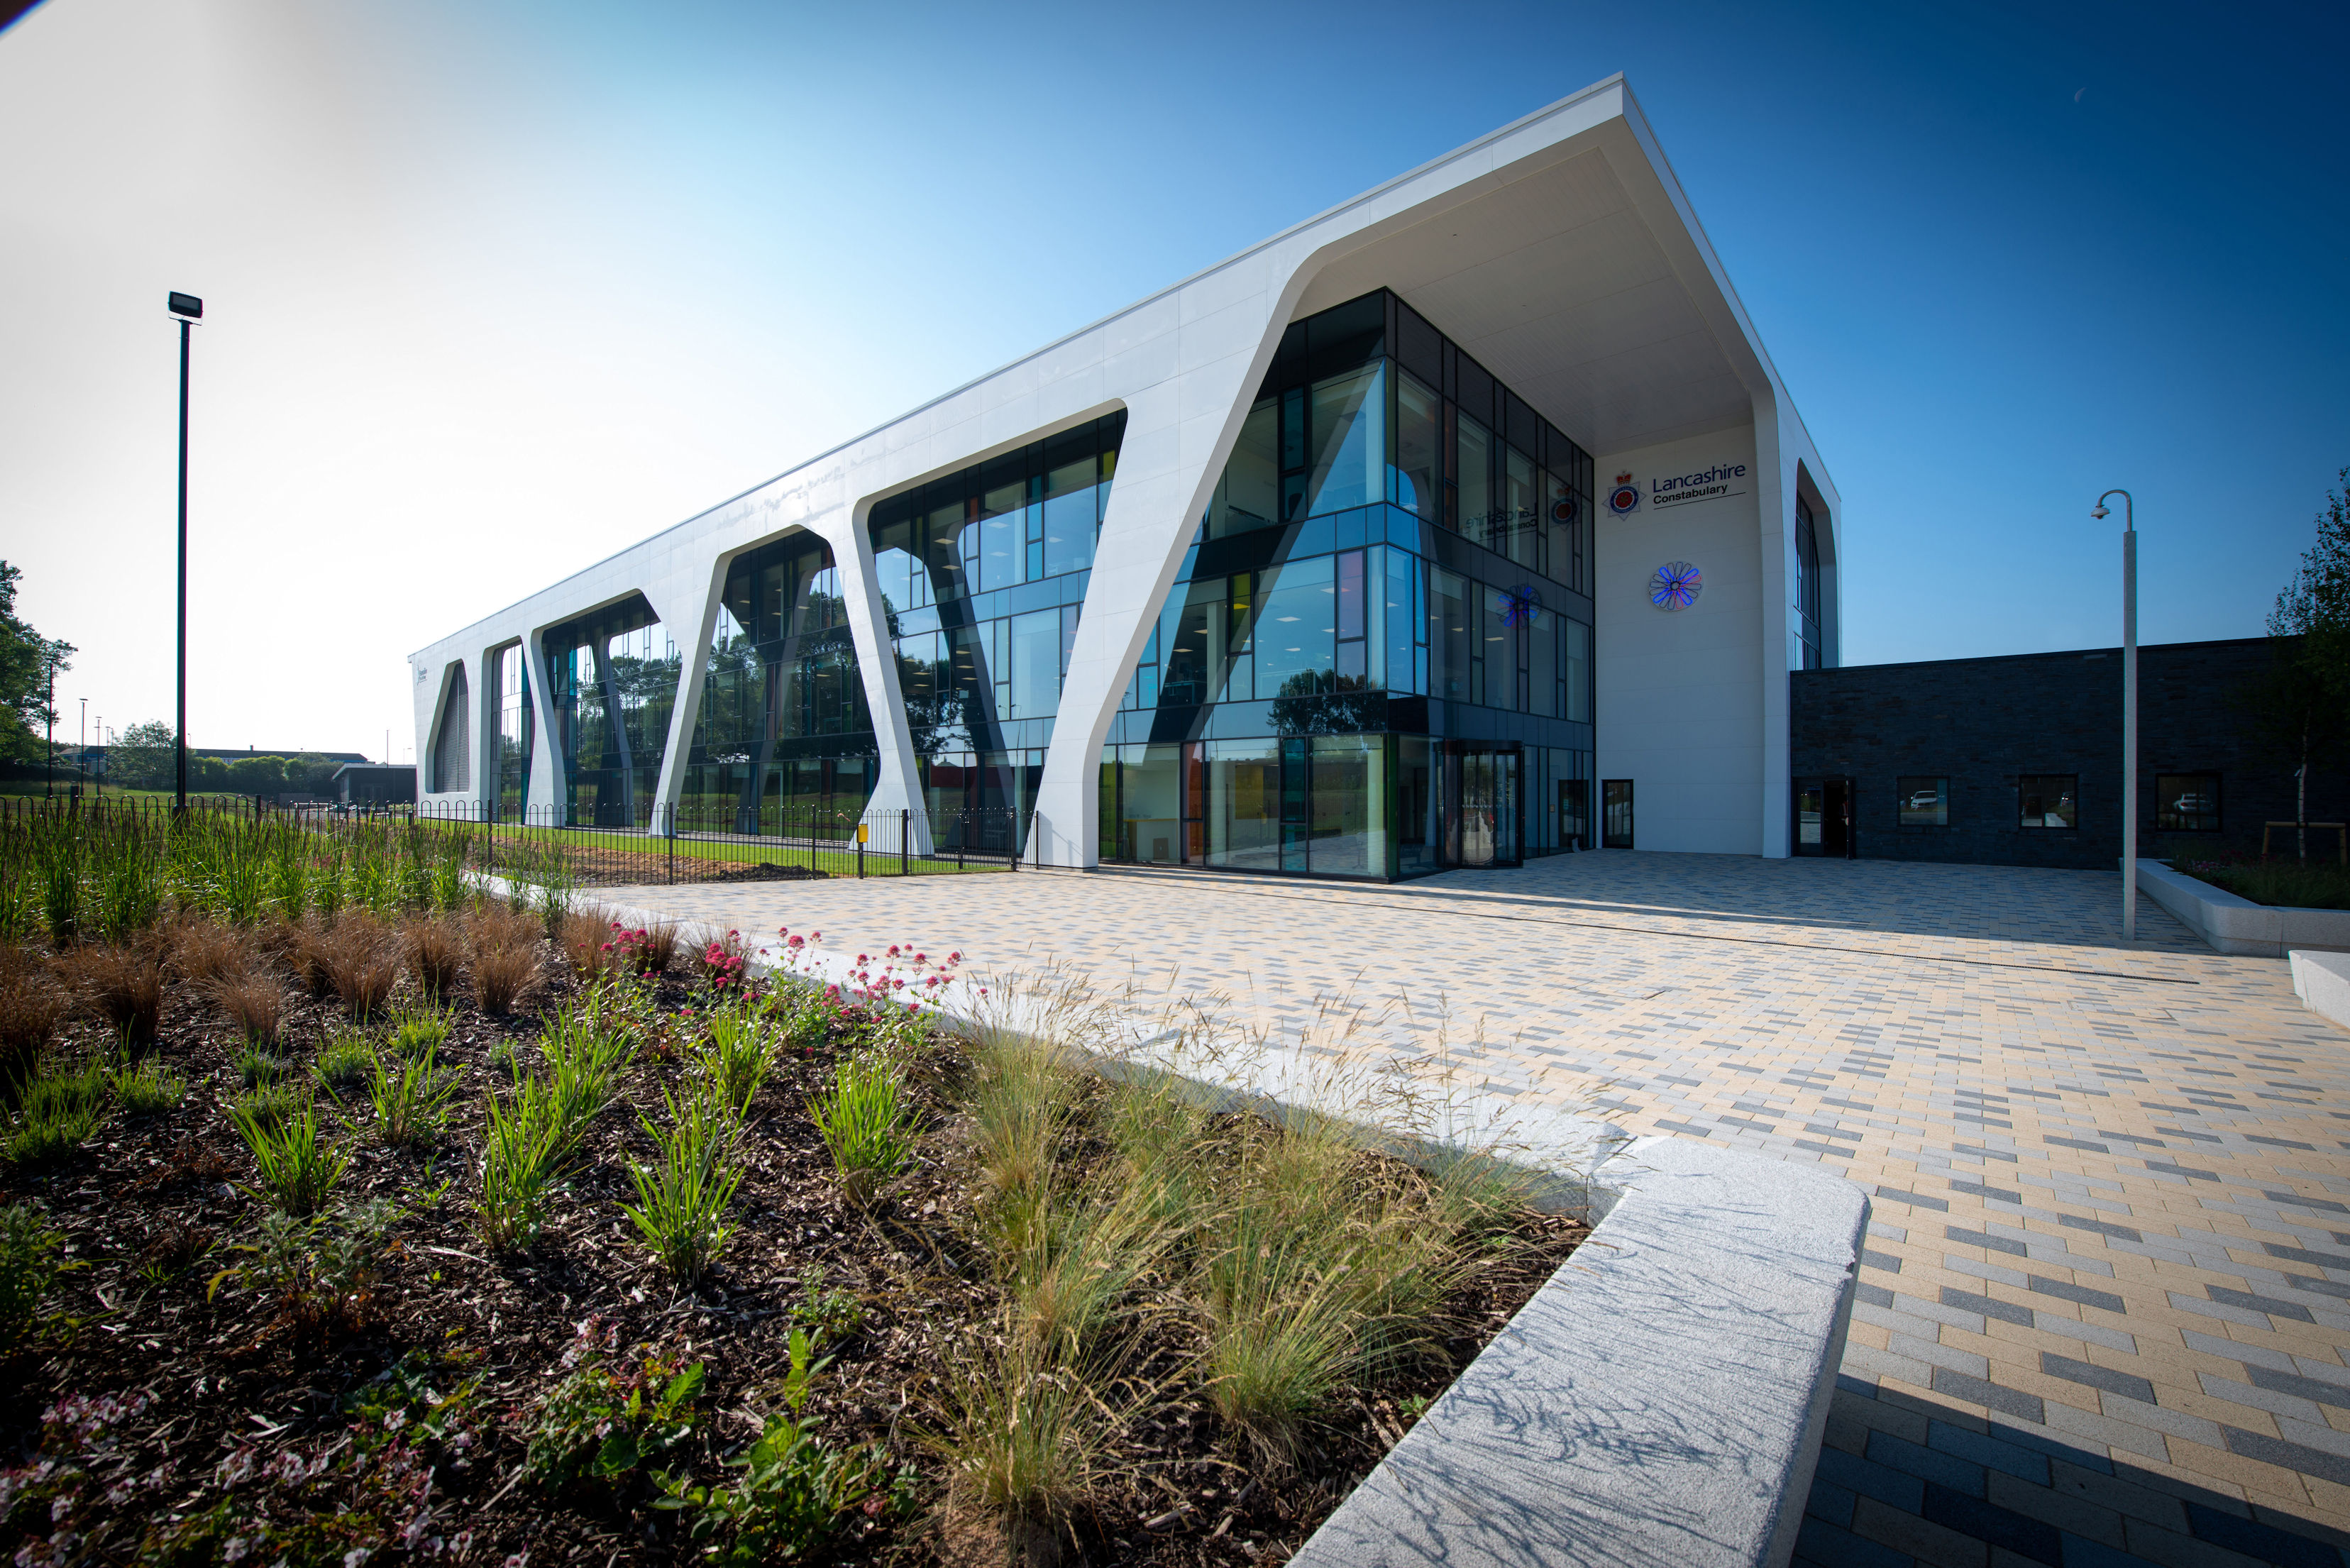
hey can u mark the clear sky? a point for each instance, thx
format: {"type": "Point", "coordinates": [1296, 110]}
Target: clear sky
{"type": "Point", "coordinates": [493, 289]}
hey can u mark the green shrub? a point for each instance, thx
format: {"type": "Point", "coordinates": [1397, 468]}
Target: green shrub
{"type": "Point", "coordinates": [57, 1113]}
{"type": "Point", "coordinates": [796, 1490]}
{"type": "Point", "coordinates": [28, 1268]}
{"type": "Point", "coordinates": [419, 1030]}
{"type": "Point", "coordinates": [738, 1053]}
{"type": "Point", "coordinates": [298, 1170]}
{"type": "Point", "coordinates": [680, 1208]}
{"type": "Point", "coordinates": [2289, 884]}
{"type": "Point", "coordinates": [344, 1064]}
{"type": "Point", "coordinates": [320, 1270]}
{"type": "Point", "coordinates": [603, 1422]}
{"type": "Point", "coordinates": [411, 1098]}
{"type": "Point", "coordinates": [866, 1123]}
{"type": "Point", "coordinates": [147, 1089]}
{"type": "Point", "coordinates": [270, 1106]}
{"type": "Point", "coordinates": [259, 1069]}
{"type": "Point", "coordinates": [586, 1054]}
{"type": "Point", "coordinates": [525, 1145]}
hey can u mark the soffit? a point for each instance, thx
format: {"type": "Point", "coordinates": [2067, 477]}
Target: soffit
{"type": "Point", "coordinates": [1556, 282]}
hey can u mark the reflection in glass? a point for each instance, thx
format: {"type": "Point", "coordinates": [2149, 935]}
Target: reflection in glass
{"type": "Point", "coordinates": [517, 729]}
{"type": "Point", "coordinates": [1243, 806]}
{"type": "Point", "coordinates": [452, 749]}
{"type": "Point", "coordinates": [2047, 800]}
{"type": "Point", "coordinates": [1924, 802]}
{"type": "Point", "coordinates": [1349, 440]}
{"type": "Point", "coordinates": [2186, 803]}
{"type": "Point", "coordinates": [1415, 483]}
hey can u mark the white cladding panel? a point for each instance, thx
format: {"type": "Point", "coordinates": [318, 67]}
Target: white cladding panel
{"type": "Point", "coordinates": [1677, 699]}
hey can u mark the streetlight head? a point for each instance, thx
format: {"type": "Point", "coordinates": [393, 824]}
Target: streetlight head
{"type": "Point", "coordinates": [2100, 513]}
{"type": "Point", "coordinates": [187, 305]}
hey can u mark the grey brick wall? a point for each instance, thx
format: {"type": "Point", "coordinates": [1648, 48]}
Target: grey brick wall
{"type": "Point", "coordinates": [1985, 721]}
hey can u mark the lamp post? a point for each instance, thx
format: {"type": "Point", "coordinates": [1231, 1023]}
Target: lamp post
{"type": "Point", "coordinates": [49, 708]}
{"type": "Point", "coordinates": [81, 759]}
{"type": "Point", "coordinates": [2129, 706]}
{"type": "Point", "coordinates": [187, 310]}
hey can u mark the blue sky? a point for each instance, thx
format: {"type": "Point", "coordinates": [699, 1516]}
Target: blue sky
{"type": "Point", "coordinates": [496, 289]}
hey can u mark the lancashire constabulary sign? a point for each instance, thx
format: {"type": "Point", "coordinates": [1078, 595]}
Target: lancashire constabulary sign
{"type": "Point", "coordinates": [1713, 484]}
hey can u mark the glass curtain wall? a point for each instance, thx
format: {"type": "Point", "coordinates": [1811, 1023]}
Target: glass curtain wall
{"type": "Point", "coordinates": [783, 741]}
{"type": "Point", "coordinates": [612, 681]}
{"type": "Point", "coordinates": [1387, 605]}
{"type": "Point", "coordinates": [982, 574]}
{"type": "Point", "coordinates": [452, 748]}
{"type": "Point", "coordinates": [517, 731]}
{"type": "Point", "coordinates": [1807, 584]}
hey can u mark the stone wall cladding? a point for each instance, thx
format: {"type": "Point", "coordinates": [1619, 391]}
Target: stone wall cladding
{"type": "Point", "coordinates": [1983, 721]}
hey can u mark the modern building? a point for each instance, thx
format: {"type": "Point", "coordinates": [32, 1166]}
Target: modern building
{"type": "Point", "coordinates": [1465, 522]}
{"type": "Point", "coordinates": [2017, 759]}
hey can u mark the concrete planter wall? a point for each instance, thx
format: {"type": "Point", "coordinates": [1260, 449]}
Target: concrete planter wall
{"type": "Point", "coordinates": [2235, 925]}
{"type": "Point", "coordinates": [1662, 1397]}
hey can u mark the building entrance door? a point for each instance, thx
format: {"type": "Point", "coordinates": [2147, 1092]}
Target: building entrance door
{"type": "Point", "coordinates": [1824, 818]}
{"type": "Point", "coordinates": [1482, 807]}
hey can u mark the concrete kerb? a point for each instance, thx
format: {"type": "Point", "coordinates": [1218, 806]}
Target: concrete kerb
{"type": "Point", "coordinates": [1662, 1398]}
{"type": "Point", "coordinates": [2322, 981]}
{"type": "Point", "coordinates": [2236, 925]}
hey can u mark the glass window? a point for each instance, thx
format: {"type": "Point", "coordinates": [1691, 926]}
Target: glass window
{"type": "Point", "coordinates": [1071, 521]}
{"type": "Point", "coordinates": [1541, 633]}
{"type": "Point", "coordinates": [1472, 497]}
{"type": "Point", "coordinates": [1414, 482]}
{"type": "Point", "coordinates": [1349, 441]}
{"type": "Point", "coordinates": [1035, 663]}
{"type": "Point", "coordinates": [1004, 537]}
{"type": "Point", "coordinates": [1925, 801]}
{"type": "Point", "coordinates": [1576, 668]}
{"type": "Point", "coordinates": [1560, 522]}
{"type": "Point", "coordinates": [2186, 803]}
{"type": "Point", "coordinates": [1354, 655]}
{"type": "Point", "coordinates": [1148, 827]}
{"type": "Point", "coordinates": [1451, 635]}
{"type": "Point", "coordinates": [1395, 588]}
{"type": "Point", "coordinates": [1416, 764]}
{"type": "Point", "coordinates": [1248, 496]}
{"type": "Point", "coordinates": [2047, 800]}
{"type": "Point", "coordinates": [1295, 640]}
{"type": "Point", "coordinates": [1514, 533]}
{"type": "Point", "coordinates": [1244, 805]}
{"type": "Point", "coordinates": [1349, 808]}
{"type": "Point", "coordinates": [452, 748]}
{"type": "Point", "coordinates": [1498, 636]}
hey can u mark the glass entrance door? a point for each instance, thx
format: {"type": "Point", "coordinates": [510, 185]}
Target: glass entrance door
{"type": "Point", "coordinates": [1481, 818]}
{"type": "Point", "coordinates": [1824, 818]}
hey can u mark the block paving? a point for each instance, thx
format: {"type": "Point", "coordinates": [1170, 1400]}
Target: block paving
{"type": "Point", "coordinates": [2105, 1298]}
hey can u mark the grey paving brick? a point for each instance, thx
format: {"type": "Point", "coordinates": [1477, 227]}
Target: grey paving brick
{"type": "Point", "coordinates": [2292, 1456]}
{"type": "Point", "coordinates": [2271, 1400]}
{"type": "Point", "coordinates": [2095, 1376]}
{"type": "Point", "coordinates": [1826, 1545]}
{"type": "Point", "coordinates": [1866, 1477]}
{"type": "Point", "coordinates": [2063, 1290]}
{"type": "Point", "coordinates": [2172, 1550]}
{"type": "Point", "coordinates": [1935, 1465]}
{"type": "Point", "coordinates": [2119, 1493]}
{"type": "Point", "coordinates": [2272, 1306]}
{"type": "Point", "coordinates": [1983, 1306]}
{"type": "Point", "coordinates": [1933, 1353]}
{"type": "Point", "coordinates": [2013, 1462]}
{"type": "Point", "coordinates": [2161, 1419]}
{"type": "Point", "coordinates": [1984, 1240]}
{"type": "Point", "coordinates": [1981, 1391]}
{"type": "Point", "coordinates": [2085, 1333]}
{"type": "Point", "coordinates": [2096, 1427]}
{"type": "Point", "coordinates": [1926, 1541]}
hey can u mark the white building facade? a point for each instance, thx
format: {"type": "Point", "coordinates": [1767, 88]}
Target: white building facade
{"type": "Point", "coordinates": [1465, 522]}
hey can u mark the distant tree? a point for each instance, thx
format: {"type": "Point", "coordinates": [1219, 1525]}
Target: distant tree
{"type": "Point", "coordinates": [2297, 708]}
{"type": "Point", "coordinates": [26, 661]}
{"type": "Point", "coordinates": [141, 756]}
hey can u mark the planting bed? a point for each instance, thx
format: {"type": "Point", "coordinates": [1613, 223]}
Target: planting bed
{"type": "Point", "coordinates": [426, 1394]}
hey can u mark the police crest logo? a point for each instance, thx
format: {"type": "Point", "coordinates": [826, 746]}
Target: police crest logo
{"type": "Point", "coordinates": [1625, 499]}
{"type": "Point", "coordinates": [1675, 585]}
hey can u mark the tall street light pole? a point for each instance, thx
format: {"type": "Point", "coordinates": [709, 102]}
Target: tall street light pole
{"type": "Point", "coordinates": [187, 309]}
{"type": "Point", "coordinates": [2129, 706]}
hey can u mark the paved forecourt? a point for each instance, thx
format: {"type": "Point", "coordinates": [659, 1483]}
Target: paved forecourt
{"type": "Point", "coordinates": [2106, 1299]}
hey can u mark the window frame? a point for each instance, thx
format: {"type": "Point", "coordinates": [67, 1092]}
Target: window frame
{"type": "Point", "coordinates": [2211, 780]}
{"type": "Point", "coordinates": [2074, 792]}
{"type": "Point", "coordinates": [1905, 785]}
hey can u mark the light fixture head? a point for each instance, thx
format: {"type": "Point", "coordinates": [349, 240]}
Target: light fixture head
{"type": "Point", "coordinates": [2100, 513]}
{"type": "Point", "coordinates": [187, 305]}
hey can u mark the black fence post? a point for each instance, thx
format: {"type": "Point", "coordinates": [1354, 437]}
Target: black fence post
{"type": "Point", "coordinates": [671, 812]}
{"type": "Point", "coordinates": [905, 833]}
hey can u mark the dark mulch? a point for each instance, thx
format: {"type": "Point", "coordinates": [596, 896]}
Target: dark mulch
{"type": "Point", "coordinates": [232, 1374]}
